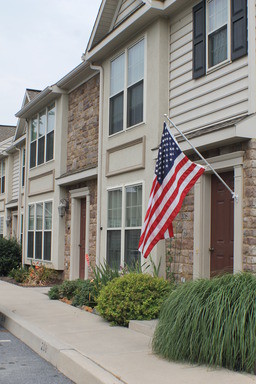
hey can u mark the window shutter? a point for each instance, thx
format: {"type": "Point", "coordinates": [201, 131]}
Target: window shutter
{"type": "Point", "coordinates": [238, 28]}
{"type": "Point", "coordinates": [199, 40]}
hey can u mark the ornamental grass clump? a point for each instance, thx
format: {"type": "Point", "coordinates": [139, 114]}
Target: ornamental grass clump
{"type": "Point", "coordinates": [133, 296]}
{"type": "Point", "coordinates": [210, 322]}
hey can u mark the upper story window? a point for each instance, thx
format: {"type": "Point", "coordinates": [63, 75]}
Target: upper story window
{"type": "Point", "coordinates": [124, 225]}
{"type": "Point", "coordinates": [2, 176]}
{"type": "Point", "coordinates": [42, 137]}
{"type": "Point", "coordinates": [219, 33]}
{"type": "Point", "coordinates": [23, 167]}
{"type": "Point", "coordinates": [126, 89]}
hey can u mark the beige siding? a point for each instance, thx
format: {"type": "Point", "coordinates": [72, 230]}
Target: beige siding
{"type": "Point", "coordinates": [15, 177]}
{"type": "Point", "coordinates": [126, 8]}
{"type": "Point", "coordinates": [219, 95]}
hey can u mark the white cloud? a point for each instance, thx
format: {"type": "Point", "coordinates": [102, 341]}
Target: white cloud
{"type": "Point", "coordinates": [40, 41]}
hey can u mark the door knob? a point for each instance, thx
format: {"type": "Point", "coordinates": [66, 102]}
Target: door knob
{"type": "Point", "coordinates": [211, 249]}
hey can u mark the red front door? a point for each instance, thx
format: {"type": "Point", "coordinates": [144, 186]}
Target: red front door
{"type": "Point", "coordinates": [82, 239]}
{"type": "Point", "coordinates": [222, 225]}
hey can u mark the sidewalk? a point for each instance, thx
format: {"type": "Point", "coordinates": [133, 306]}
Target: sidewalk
{"type": "Point", "coordinates": [89, 351]}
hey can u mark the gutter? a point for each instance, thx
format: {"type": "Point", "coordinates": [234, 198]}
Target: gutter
{"type": "Point", "coordinates": [98, 232]}
{"type": "Point", "coordinates": [73, 74]}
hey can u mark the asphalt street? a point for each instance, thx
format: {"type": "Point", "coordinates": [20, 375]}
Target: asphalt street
{"type": "Point", "coordinates": [20, 365]}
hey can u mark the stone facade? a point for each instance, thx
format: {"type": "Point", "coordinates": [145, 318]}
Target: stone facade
{"type": "Point", "coordinates": [82, 154]}
{"type": "Point", "coordinates": [83, 125]}
{"type": "Point", "coordinates": [179, 250]}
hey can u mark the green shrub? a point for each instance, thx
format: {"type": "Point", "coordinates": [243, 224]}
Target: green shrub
{"type": "Point", "coordinates": [132, 297]}
{"type": "Point", "coordinates": [84, 294]}
{"type": "Point", "coordinates": [19, 274]}
{"type": "Point", "coordinates": [102, 275]}
{"type": "Point", "coordinates": [68, 287]}
{"type": "Point", "coordinates": [10, 255]}
{"type": "Point", "coordinates": [210, 322]}
{"type": "Point", "coordinates": [54, 293]}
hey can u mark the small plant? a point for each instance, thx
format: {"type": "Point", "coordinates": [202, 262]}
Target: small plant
{"type": "Point", "coordinates": [85, 295]}
{"type": "Point", "coordinates": [39, 275]}
{"type": "Point", "coordinates": [54, 293]}
{"type": "Point", "coordinates": [132, 297]}
{"type": "Point", "coordinates": [102, 274]}
{"type": "Point", "coordinates": [67, 288]}
{"type": "Point", "coordinates": [210, 322]}
{"type": "Point", "coordinates": [19, 274]}
{"type": "Point", "coordinates": [10, 255]}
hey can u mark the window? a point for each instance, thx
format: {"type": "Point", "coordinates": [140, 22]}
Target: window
{"type": "Point", "coordinates": [219, 33]}
{"type": "Point", "coordinates": [124, 225]}
{"type": "Point", "coordinates": [40, 231]}
{"type": "Point", "coordinates": [126, 89]}
{"type": "Point", "coordinates": [21, 229]}
{"type": "Point", "coordinates": [42, 137]}
{"type": "Point", "coordinates": [1, 227]}
{"type": "Point", "coordinates": [23, 167]}
{"type": "Point", "coordinates": [2, 176]}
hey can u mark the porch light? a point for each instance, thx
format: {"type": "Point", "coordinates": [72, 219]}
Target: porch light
{"type": "Point", "coordinates": [63, 207]}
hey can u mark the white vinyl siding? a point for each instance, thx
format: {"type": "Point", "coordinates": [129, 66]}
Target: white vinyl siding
{"type": "Point", "coordinates": [127, 7]}
{"type": "Point", "coordinates": [220, 95]}
{"type": "Point", "coordinates": [15, 177]}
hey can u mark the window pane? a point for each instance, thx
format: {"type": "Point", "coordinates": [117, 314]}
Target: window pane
{"type": "Point", "coordinates": [48, 216]}
{"type": "Point", "coordinates": [116, 113]}
{"type": "Point", "coordinates": [218, 14]}
{"type": "Point", "coordinates": [217, 47]}
{"type": "Point", "coordinates": [133, 206]}
{"type": "Point", "coordinates": [2, 184]}
{"type": "Point", "coordinates": [33, 131]}
{"type": "Point", "coordinates": [136, 63]}
{"type": "Point", "coordinates": [115, 208]}
{"type": "Point", "coordinates": [1, 225]}
{"type": "Point", "coordinates": [31, 210]}
{"type": "Point", "coordinates": [39, 216]}
{"type": "Point", "coordinates": [38, 254]}
{"type": "Point", "coordinates": [135, 104]}
{"type": "Point", "coordinates": [49, 146]}
{"type": "Point", "coordinates": [42, 124]}
{"type": "Point", "coordinates": [33, 154]}
{"type": "Point", "coordinates": [117, 75]}
{"type": "Point", "coordinates": [51, 118]}
{"type": "Point", "coordinates": [3, 168]}
{"type": "Point", "coordinates": [114, 248]}
{"type": "Point", "coordinates": [40, 154]}
{"type": "Point", "coordinates": [47, 245]}
{"type": "Point", "coordinates": [30, 244]}
{"type": "Point", "coordinates": [132, 255]}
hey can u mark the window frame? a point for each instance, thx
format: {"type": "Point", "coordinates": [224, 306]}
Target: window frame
{"type": "Point", "coordinates": [228, 59]}
{"type": "Point", "coordinates": [42, 137]}
{"type": "Point", "coordinates": [43, 231]}
{"type": "Point", "coordinates": [123, 229]}
{"type": "Point", "coordinates": [23, 167]}
{"type": "Point", "coordinates": [2, 226]}
{"type": "Point", "coordinates": [2, 176]}
{"type": "Point", "coordinates": [127, 87]}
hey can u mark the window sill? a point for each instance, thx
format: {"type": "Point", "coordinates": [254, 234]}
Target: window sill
{"type": "Point", "coordinates": [41, 165]}
{"type": "Point", "coordinates": [218, 66]}
{"type": "Point", "coordinates": [127, 129]}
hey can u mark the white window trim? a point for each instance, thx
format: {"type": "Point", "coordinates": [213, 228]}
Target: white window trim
{"type": "Point", "coordinates": [45, 136]}
{"type": "Point", "coordinates": [228, 60]}
{"type": "Point", "coordinates": [43, 230]}
{"type": "Point", "coordinates": [125, 91]}
{"type": "Point", "coordinates": [123, 227]}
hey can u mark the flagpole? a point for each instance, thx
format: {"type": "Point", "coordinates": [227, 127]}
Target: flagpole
{"type": "Point", "coordinates": [234, 196]}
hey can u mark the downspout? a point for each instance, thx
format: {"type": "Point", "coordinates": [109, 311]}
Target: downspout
{"type": "Point", "coordinates": [98, 232]}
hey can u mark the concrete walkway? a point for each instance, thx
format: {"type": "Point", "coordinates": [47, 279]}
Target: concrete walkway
{"type": "Point", "coordinates": [89, 351]}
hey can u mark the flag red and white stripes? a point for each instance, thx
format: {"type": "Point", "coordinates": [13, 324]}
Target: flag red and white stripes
{"type": "Point", "coordinates": [175, 175]}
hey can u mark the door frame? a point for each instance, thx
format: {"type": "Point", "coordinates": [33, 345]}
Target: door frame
{"type": "Point", "coordinates": [76, 196]}
{"type": "Point", "coordinates": [202, 214]}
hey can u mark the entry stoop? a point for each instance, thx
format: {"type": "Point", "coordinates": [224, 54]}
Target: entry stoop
{"type": "Point", "coordinates": [147, 327]}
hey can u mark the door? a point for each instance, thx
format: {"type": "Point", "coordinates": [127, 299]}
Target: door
{"type": "Point", "coordinates": [222, 225]}
{"type": "Point", "coordinates": [82, 239]}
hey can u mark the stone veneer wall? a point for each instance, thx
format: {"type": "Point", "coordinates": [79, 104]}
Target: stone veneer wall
{"type": "Point", "coordinates": [83, 125]}
{"type": "Point", "coordinates": [179, 250]}
{"type": "Point", "coordinates": [82, 153]}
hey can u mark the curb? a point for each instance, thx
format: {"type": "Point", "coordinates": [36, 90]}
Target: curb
{"type": "Point", "coordinates": [77, 367]}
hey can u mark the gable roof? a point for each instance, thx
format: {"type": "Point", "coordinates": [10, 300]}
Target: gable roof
{"type": "Point", "coordinates": [6, 131]}
{"type": "Point", "coordinates": [32, 93]}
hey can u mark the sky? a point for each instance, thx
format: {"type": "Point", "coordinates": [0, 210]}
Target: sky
{"type": "Point", "coordinates": [40, 42]}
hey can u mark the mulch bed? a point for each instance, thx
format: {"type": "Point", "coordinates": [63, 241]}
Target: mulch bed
{"type": "Point", "coordinates": [10, 280]}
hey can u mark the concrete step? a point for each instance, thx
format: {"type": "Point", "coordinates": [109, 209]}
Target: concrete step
{"type": "Point", "coordinates": [147, 327]}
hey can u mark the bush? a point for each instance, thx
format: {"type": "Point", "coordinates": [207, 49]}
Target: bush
{"type": "Point", "coordinates": [67, 288]}
{"type": "Point", "coordinates": [10, 255]}
{"type": "Point", "coordinates": [19, 274]}
{"type": "Point", "coordinates": [84, 294]}
{"type": "Point", "coordinates": [210, 322]}
{"type": "Point", "coordinates": [54, 293]}
{"type": "Point", "coordinates": [132, 297]}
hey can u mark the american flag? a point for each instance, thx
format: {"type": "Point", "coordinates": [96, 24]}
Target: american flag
{"type": "Point", "coordinates": [175, 175]}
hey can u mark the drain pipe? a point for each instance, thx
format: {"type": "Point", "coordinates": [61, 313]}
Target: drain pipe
{"type": "Point", "coordinates": [98, 232]}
